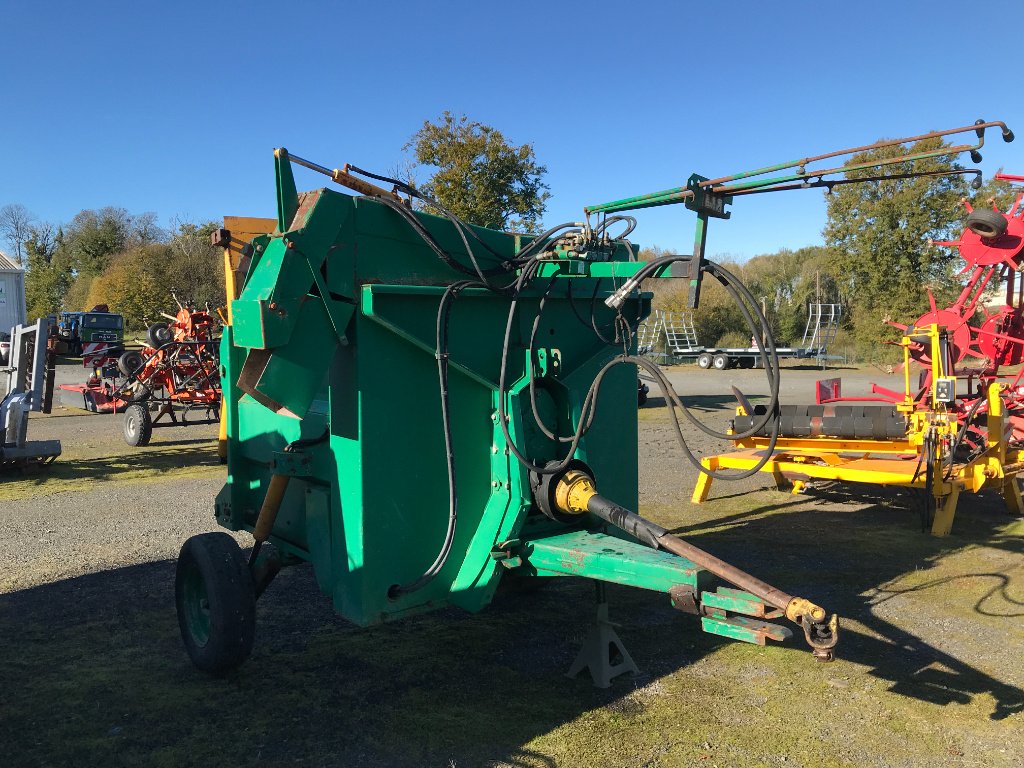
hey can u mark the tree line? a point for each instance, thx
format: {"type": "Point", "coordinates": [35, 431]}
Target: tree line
{"type": "Point", "coordinates": [875, 262]}
{"type": "Point", "coordinates": [110, 256]}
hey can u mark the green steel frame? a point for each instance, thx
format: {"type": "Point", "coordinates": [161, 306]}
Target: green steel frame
{"type": "Point", "coordinates": [333, 343]}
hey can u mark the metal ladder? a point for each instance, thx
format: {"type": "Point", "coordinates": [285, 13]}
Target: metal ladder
{"type": "Point", "coordinates": [650, 332]}
{"type": "Point", "coordinates": [680, 332]}
{"type": "Point", "coordinates": [822, 326]}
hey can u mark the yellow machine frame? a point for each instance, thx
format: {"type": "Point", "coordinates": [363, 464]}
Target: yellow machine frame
{"type": "Point", "coordinates": [893, 462]}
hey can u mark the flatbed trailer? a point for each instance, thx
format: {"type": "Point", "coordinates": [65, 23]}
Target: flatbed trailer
{"type": "Point", "coordinates": [721, 358]}
{"type": "Point", "coordinates": [671, 337]}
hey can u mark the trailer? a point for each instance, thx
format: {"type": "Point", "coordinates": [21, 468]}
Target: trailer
{"type": "Point", "coordinates": [671, 337]}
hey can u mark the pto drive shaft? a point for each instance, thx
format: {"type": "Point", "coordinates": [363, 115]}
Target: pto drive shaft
{"type": "Point", "coordinates": [575, 494]}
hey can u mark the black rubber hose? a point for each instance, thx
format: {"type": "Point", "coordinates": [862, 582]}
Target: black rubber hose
{"type": "Point", "coordinates": [442, 327]}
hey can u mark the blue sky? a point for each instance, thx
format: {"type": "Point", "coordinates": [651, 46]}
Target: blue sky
{"type": "Point", "coordinates": [175, 107]}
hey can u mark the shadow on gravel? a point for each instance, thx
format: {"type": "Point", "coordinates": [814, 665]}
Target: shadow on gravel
{"type": "Point", "coordinates": [694, 402]}
{"type": "Point", "coordinates": [95, 674]}
{"type": "Point", "coordinates": [843, 557]}
{"type": "Point", "coordinates": [153, 459]}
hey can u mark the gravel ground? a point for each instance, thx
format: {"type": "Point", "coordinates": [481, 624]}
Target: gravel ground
{"type": "Point", "coordinates": [928, 670]}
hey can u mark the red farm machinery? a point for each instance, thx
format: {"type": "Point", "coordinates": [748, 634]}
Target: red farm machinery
{"type": "Point", "coordinates": [957, 426]}
{"type": "Point", "coordinates": [176, 373]}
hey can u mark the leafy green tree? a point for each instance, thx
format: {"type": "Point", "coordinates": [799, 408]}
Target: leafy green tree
{"type": "Point", "coordinates": [92, 237]}
{"type": "Point", "coordinates": [135, 284]}
{"type": "Point", "coordinates": [877, 235]}
{"type": "Point", "coordinates": [46, 283]}
{"type": "Point", "coordinates": [997, 192]}
{"type": "Point", "coordinates": [479, 175]}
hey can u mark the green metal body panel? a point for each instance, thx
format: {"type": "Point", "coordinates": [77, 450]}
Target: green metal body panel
{"type": "Point", "coordinates": [596, 555]}
{"type": "Point", "coordinates": [334, 337]}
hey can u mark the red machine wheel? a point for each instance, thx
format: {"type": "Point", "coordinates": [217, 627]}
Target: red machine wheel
{"type": "Point", "coordinates": [956, 327]}
{"type": "Point", "coordinates": [979, 251]}
{"type": "Point", "coordinates": [1000, 351]}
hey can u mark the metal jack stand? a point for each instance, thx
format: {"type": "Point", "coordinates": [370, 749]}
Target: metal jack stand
{"type": "Point", "coordinates": [603, 652]}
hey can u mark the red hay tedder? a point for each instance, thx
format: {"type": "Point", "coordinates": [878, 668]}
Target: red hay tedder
{"type": "Point", "coordinates": [979, 340]}
{"type": "Point", "coordinates": [177, 371]}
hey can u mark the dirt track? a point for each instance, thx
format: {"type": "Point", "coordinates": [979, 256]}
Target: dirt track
{"type": "Point", "coordinates": [928, 670]}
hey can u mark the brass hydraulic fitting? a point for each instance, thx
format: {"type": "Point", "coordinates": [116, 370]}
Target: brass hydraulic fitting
{"type": "Point", "coordinates": [573, 492]}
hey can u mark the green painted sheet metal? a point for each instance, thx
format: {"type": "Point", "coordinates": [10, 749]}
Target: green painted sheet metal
{"type": "Point", "coordinates": [353, 357]}
{"type": "Point", "coordinates": [596, 555]}
{"type": "Point", "coordinates": [744, 630]}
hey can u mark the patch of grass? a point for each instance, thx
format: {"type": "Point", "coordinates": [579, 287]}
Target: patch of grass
{"type": "Point", "coordinates": [78, 470]}
{"type": "Point", "coordinates": [927, 670]}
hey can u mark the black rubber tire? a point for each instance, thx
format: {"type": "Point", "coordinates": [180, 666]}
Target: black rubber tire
{"type": "Point", "coordinates": [745, 362]}
{"type": "Point", "coordinates": [986, 223]}
{"type": "Point", "coordinates": [158, 334]}
{"type": "Point", "coordinates": [212, 567]}
{"type": "Point", "coordinates": [721, 362]}
{"type": "Point", "coordinates": [704, 360]}
{"type": "Point", "coordinates": [130, 362]}
{"type": "Point", "coordinates": [138, 425]}
{"type": "Point", "coordinates": [641, 398]}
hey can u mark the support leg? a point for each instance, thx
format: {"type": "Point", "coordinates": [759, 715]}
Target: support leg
{"type": "Point", "coordinates": [781, 483]}
{"type": "Point", "coordinates": [602, 652]}
{"type": "Point", "coordinates": [1012, 497]}
{"type": "Point", "coordinates": [703, 487]}
{"type": "Point", "coordinates": [945, 509]}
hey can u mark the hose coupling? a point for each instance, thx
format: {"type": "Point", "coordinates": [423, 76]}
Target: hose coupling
{"type": "Point", "coordinates": [617, 299]}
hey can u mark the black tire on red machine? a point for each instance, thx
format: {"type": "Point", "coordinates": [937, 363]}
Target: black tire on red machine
{"type": "Point", "coordinates": [216, 602]}
{"type": "Point", "coordinates": [130, 362]}
{"type": "Point", "coordinates": [704, 360]}
{"type": "Point", "coordinates": [721, 362]}
{"type": "Point", "coordinates": [138, 425]}
{"type": "Point", "coordinates": [986, 223]}
{"type": "Point", "coordinates": [158, 334]}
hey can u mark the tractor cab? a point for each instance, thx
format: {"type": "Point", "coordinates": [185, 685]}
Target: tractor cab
{"type": "Point", "coordinates": [98, 326]}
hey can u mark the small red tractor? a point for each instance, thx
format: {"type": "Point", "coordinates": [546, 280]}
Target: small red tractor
{"type": "Point", "coordinates": [176, 372]}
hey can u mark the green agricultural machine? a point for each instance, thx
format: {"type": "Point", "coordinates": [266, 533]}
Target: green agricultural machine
{"type": "Point", "coordinates": [420, 408]}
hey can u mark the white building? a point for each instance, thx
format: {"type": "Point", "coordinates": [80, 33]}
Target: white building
{"type": "Point", "coordinates": [12, 294]}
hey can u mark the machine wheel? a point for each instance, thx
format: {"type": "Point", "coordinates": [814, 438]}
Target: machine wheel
{"type": "Point", "coordinates": [746, 362]}
{"type": "Point", "coordinates": [986, 223]}
{"type": "Point", "coordinates": [721, 362]}
{"type": "Point", "coordinates": [704, 360]}
{"type": "Point", "coordinates": [158, 334]}
{"type": "Point", "coordinates": [138, 425]}
{"type": "Point", "coordinates": [130, 362]}
{"type": "Point", "coordinates": [216, 603]}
